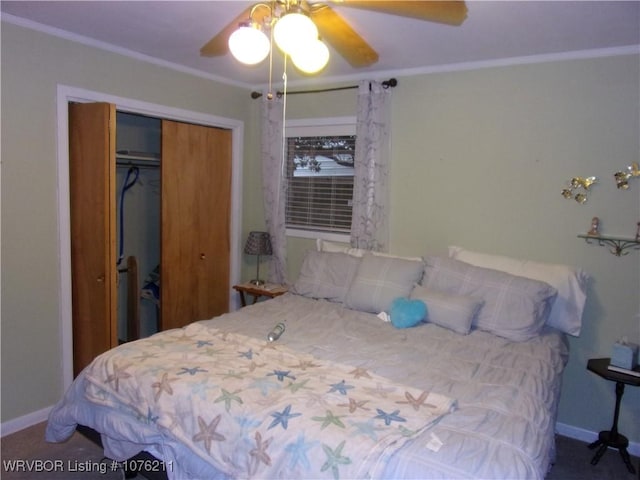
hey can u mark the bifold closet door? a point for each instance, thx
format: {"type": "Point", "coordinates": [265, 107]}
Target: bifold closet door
{"type": "Point", "coordinates": [93, 226]}
{"type": "Point", "coordinates": [195, 212]}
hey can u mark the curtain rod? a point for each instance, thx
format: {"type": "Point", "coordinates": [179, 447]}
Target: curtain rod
{"type": "Point", "coordinates": [392, 82]}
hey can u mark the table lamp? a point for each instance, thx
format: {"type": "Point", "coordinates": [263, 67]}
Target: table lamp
{"type": "Point", "coordinates": [258, 243]}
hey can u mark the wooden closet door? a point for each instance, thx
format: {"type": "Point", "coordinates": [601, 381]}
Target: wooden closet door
{"type": "Point", "coordinates": [195, 212]}
{"type": "Point", "coordinates": [93, 226]}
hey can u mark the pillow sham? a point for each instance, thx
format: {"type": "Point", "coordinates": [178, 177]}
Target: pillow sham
{"type": "Point", "coordinates": [326, 246]}
{"type": "Point", "coordinates": [455, 312]}
{"type": "Point", "coordinates": [379, 280]}
{"type": "Point", "coordinates": [571, 284]}
{"type": "Point", "coordinates": [326, 275]}
{"type": "Point", "coordinates": [514, 307]}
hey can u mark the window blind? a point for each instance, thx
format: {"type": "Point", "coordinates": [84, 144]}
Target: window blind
{"type": "Point", "coordinates": [320, 183]}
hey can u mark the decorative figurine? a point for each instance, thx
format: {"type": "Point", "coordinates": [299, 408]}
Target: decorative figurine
{"type": "Point", "coordinates": [595, 227]}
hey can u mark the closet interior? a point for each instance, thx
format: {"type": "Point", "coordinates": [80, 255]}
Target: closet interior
{"type": "Point", "coordinates": [138, 188]}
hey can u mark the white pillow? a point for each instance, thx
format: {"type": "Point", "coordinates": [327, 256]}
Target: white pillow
{"type": "Point", "coordinates": [571, 284]}
{"type": "Point", "coordinates": [333, 247]}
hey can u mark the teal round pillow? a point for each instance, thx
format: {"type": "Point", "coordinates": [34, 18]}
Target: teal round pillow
{"type": "Point", "coordinates": [406, 313]}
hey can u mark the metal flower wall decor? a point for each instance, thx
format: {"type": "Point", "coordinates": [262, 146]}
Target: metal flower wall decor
{"type": "Point", "coordinates": [578, 187]}
{"type": "Point", "coordinates": [622, 177]}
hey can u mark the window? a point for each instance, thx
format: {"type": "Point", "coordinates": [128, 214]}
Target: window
{"type": "Point", "coordinates": [319, 173]}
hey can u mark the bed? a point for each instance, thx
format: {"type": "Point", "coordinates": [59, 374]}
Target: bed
{"type": "Point", "coordinates": [350, 389]}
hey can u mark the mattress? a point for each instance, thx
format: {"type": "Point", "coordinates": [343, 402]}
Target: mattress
{"type": "Point", "coordinates": [498, 398]}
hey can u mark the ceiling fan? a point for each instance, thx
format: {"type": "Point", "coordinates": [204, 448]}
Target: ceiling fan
{"type": "Point", "coordinates": [331, 27]}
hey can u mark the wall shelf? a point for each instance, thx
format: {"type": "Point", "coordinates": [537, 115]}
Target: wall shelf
{"type": "Point", "coordinates": [619, 246]}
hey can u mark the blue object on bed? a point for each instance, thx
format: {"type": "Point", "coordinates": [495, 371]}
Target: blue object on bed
{"type": "Point", "coordinates": [406, 313]}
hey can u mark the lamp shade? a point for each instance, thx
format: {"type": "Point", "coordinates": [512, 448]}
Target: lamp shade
{"type": "Point", "coordinates": [293, 31]}
{"type": "Point", "coordinates": [313, 58]}
{"type": "Point", "coordinates": [249, 44]}
{"type": "Point", "coordinates": [258, 243]}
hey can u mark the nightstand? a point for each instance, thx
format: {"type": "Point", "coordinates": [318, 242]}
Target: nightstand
{"type": "Point", "coordinates": [268, 290]}
{"type": "Point", "coordinates": [611, 438]}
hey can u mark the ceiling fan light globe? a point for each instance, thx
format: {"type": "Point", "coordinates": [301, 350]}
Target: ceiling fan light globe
{"type": "Point", "coordinates": [311, 59]}
{"type": "Point", "coordinates": [294, 30]}
{"type": "Point", "coordinates": [249, 45]}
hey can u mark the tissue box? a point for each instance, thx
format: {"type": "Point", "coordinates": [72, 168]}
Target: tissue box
{"type": "Point", "coordinates": [624, 355]}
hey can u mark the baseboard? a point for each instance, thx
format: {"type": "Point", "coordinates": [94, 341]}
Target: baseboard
{"type": "Point", "coordinates": [26, 421]}
{"type": "Point", "coordinates": [588, 436]}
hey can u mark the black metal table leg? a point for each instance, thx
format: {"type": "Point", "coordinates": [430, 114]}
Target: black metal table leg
{"type": "Point", "coordinates": [612, 438]}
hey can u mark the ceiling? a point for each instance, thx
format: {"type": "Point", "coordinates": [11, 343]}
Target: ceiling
{"type": "Point", "coordinates": [172, 32]}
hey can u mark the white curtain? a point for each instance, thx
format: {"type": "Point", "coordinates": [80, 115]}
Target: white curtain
{"type": "Point", "coordinates": [274, 186]}
{"type": "Point", "coordinates": [370, 224]}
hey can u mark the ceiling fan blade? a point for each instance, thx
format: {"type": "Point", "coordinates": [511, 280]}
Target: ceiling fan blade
{"type": "Point", "coordinates": [219, 45]}
{"type": "Point", "coordinates": [344, 39]}
{"type": "Point", "coordinates": [447, 12]}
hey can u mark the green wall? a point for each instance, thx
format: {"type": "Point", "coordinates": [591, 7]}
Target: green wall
{"type": "Point", "coordinates": [479, 160]}
{"type": "Point", "coordinates": [33, 65]}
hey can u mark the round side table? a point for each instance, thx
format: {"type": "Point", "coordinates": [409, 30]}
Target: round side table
{"type": "Point", "coordinates": [611, 438]}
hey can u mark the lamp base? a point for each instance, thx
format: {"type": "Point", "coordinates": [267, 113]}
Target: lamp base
{"type": "Point", "coordinates": [257, 282]}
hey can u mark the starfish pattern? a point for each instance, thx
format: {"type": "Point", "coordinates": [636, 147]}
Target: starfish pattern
{"type": "Point", "coordinates": [298, 451]}
{"type": "Point", "coordinates": [283, 417]}
{"type": "Point", "coordinates": [212, 352]}
{"type": "Point", "coordinates": [329, 419]}
{"type": "Point", "coordinates": [359, 373]}
{"type": "Point", "coordinates": [145, 356]}
{"type": "Point", "coordinates": [117, 375]}
{"type": "Point", "coordinates": [294, 387]}
{"type": "Point", "coordinates": [248, 354]}
{"type": "Point", "coordinates": [281, 374]}
{"type": "Point", "coordinates": [247, 423]}
{"type": "Point", "coordinates": [355, 405]}
{"type": "Point", "coordinates": [340, 387]}
{"type": "Point", "coordinates": [203, 343]}
{"type": "Point", "coordinates": [191, 371]}
{"type": "Point", "coordinates": [253, 365]}
{"type": "Point", "coordinates": [259, 454]}
{"type": "Point", "coordinates": [304, 364]}
{"type": "Point", "coordinates": [405, 432]}
{"type": "Point", "coordinates": [202, 387]}
{"type": "Point", "coordinates": [227, 398]}
{"type": "Point", "coordinates": [264, 384]}
{"type": "Point", "coordinates": [390, 417]}
{"type": "Point", "coordinates": [380, 390]}
{"type": "Point", "coordinates": [208, 433]}
{"type": "Point", "coordinates": [416, 403]}
{"type": "Point", "coordinates": [233, 374]}
{"type": "Point", "coordinates": [164, 385]}
{"type": "Point", "coordinates": [185, 338]}
{"type": "Point", "coordinates": [334, 459]}
{"type": "Point", "coordinates": [367, 428]}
